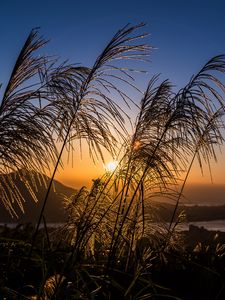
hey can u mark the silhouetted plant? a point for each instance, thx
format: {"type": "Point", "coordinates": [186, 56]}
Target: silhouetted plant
{"type": "Point", "coordinates": [170, 128]}
{"type": "Point", "coordinates": [84, 103]}
{"type": "Point", "coordinates": [26, 140]}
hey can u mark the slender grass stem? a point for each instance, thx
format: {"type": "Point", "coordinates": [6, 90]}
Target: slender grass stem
{"type": "Point", "coordinates": [49, 188]}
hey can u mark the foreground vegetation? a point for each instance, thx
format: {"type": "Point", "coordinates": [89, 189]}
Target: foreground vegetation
{"type": "Point", "coordinates": [192, 272]}
{"type": "Point", "coordinates": [108, 247]}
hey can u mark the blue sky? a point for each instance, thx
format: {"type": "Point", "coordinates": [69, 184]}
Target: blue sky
{"type": "Point", "coordinates": [185, 33]}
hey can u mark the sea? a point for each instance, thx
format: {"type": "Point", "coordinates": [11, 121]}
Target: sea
{"type": "Point", "coordinates": [215, 225]}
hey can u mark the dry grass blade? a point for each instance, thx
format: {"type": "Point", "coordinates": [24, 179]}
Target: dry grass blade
{"type": "Point", "coordinates": [27, 66]}
{"type": "Point", "coordinates": [83, 100]}
{"type": "Point", "coordinates": [167, 132]}
{"type": "Point", "coordinates": [210, 137]}
{"type": "Point", "coordinates": [25, 135]}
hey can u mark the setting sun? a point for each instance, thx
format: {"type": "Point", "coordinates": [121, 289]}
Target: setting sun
{"type": "Point", "coordinates": [111, 166]}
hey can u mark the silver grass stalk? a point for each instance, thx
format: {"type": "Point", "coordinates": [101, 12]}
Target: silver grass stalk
{"type": "Point", "coordinates": [26, 140]}
{"type": "Point", "coordinates": [83, 98]}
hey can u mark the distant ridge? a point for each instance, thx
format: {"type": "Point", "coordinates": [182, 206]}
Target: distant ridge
{"type": "Point", "coordinates": [204, 194]}
{"type": "Point", "coordinates": [54, 211]}
{"type": "Point", "coordinates": [192, 213]}
{"type": "Point", "coordinates": [199, 194]}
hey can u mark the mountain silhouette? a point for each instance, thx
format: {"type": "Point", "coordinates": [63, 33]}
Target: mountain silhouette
{"type": "Point", "coordinates": [32, 187]}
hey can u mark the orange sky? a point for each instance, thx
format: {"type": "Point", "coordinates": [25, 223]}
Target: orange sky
{"type": "Point", "coordinates": [85, 170]}
{"type": "Point", "coordinates": [198, 190]}
{"type": "Point", "coordinates": [217, 170]}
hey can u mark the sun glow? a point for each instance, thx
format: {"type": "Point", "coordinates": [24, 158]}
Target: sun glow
{"type": "Point", "coordinates": [111, 166]}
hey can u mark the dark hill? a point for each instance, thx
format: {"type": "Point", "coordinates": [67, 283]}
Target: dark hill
{"type": "Point", "coordinates": [54, 211]}
{"type": "Point", "coordinates": [193, 213]}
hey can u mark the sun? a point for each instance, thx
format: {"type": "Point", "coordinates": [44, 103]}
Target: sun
{"type": "Point", "coordinates": [111, 166]}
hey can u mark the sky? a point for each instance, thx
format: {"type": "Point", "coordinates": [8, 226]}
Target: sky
{"type": "Point", "coordinates": [185, 35]}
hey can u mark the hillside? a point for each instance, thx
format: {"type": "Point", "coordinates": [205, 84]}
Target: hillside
{"type": "Point", "coordinates": [54, 211]}
{"type": "Point", "coordinates": [192, 213]}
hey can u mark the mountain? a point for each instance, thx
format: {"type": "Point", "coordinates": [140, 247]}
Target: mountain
{"type": "Point", "coordinates": [198, 194]}
{"type": "Point", "coordinates": [54, 210]}
{"type": "Point", "coordinates": [192, 213]}
{"type": "Point", "coordinates": [204, 194]}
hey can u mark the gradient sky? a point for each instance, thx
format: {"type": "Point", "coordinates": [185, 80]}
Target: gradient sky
{"type": "Point", "coordinates": [185, 33]}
